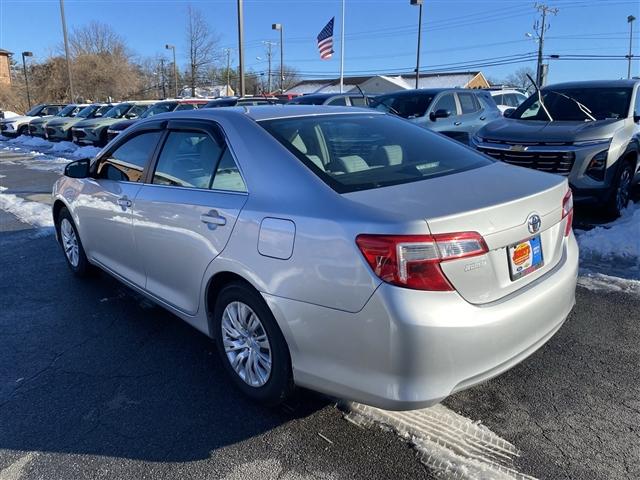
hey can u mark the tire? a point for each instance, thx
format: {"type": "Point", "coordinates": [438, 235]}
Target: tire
{"type": "Point", "coordinates": [71, 245]}
{"type": "Point", "coordinates": [238, 305]}
{"type": "Point", "coordinates": [620, 191]}
{"type": "Point", "coordinates": [103, 138]}
{"type": "Point", "coordinates": [23, 130]}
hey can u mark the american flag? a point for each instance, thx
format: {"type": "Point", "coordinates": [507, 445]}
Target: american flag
{"type": "Point", "coordinates": [325, 41]}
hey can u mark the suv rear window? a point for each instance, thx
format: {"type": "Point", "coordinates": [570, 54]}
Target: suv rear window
{"type": "Point", "coordinates": [361, 152]}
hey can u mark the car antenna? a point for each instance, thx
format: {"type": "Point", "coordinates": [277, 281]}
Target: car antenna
{"type": "Point", "coordinates": [544, 107]}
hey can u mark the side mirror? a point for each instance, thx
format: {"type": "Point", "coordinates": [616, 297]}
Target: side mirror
{"type": "Point", "coordinates": [78, 169]}
{"type": "Point", "coordinates": [131, 116]}
{"type": "Point", "coordinates": [440, 113]}
{"type": "Point", "coordinates": [508, 112]}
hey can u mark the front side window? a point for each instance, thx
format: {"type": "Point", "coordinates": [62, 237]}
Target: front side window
{"type": "Point", "coordinates": [51, 110]}
{"type": "Point", "coordinates": [404, 105]}
{"type": "Point", "coordinates": [188, 159]}
{"type": "Point", "coordinates": [577, 104]}
{"type": "Point", "coordinates": [341, 101]}
{"type": "Point", "coordinates": [126, 163]}
{"type": "Point", "coordinates": [446, 102]}
{"type": "Point", "coordinates": [364, 151]}
{"type": "Point", "coordinates": [468, 102]}
{"type": "Point", "coordinates": [498, 99]}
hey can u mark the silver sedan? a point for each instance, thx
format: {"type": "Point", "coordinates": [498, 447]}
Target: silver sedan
{"type": "Point", "coordinates": [344, 250]}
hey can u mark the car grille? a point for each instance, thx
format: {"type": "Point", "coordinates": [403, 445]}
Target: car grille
{"type": "Point", "coordinates": [553, 162]}
{"type": "Point", "coordinates": [51, 131]}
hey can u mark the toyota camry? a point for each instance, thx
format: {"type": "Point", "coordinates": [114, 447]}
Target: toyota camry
{"type": "Point", "coordinates": [344, 250]}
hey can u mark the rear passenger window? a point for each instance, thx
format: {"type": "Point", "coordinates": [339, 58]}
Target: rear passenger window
{"type": "Point", "coordinates": [126, 163]}
{"type": "Point", "coordinates": [188, 159]}
{"type": "Point", "coordinates": [185, 106]}
{"type": "Point", "coordinates": [228, 175]}
{"type": "Point", "coordinates": [468, 102]}
{"type": "Point", "coordinates": [498, 99]}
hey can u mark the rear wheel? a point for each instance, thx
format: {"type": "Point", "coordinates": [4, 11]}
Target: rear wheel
{"type": "Point", "coordinates": [71, 245]}
{"type": "Point", "coordinates": [251, 346]}
{"type": "Point", "coordinates": [621, 191]}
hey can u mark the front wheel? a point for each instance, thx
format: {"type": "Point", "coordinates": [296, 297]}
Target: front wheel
{"type": "Point", "coordinates": [621, 191]}
{"type": "Point", "coordinates": [251, 346]}
{"type": "Point", "coordinates": [71, 245]}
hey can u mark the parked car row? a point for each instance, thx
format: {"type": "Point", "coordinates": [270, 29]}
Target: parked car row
{"type": "Point", "coordinates": [586, 131]}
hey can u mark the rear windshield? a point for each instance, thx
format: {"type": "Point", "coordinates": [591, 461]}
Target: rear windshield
{"type": "Point", "coordinates": [361, 152]}
{"type": "Point", "coordinates": [577, 104]}
{"type": "Point", "coordinates": [403, 105]}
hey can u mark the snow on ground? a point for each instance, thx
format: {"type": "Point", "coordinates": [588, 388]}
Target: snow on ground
{"type": "Point", "coordinates": [612, 250]}
{"type": "Point", "coordinates": [453, 446]}
{"type": "Point", "coordinates": [37, 146]}
{"type": "Point", "coordinates": [35, 213]}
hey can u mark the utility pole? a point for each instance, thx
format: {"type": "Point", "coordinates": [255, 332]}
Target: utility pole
{"type": "Point", "coordinates": [66, 50]}
{"type": "Point", "coordinates": [26, 77]}
{"type": "Point", "coordinates": [240, 50]}
{"type": "Point", "coordinates": [269, 53]}
{"type": "Point", "coordinates": [278, 26]}
{"type": "Point", "coordinates": [419, 3]}
{"type": "Point", "coordinates": [630, 20]}
{"type": "Point", "coordinates": [175, 69]}
{"type": "Point", "coordinates": [164, 91]}
{"type": "Point", "coordinates": [541, 27]}
{"type": "Point", "coordinates": [342, 51]}
{"type": "Point", "coordinates": [228, 52]}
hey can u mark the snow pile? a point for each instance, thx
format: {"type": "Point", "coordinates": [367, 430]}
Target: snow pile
{"type": "Point", "coordinates": [451, 445]}
{"type": "Point", "coordinates": [613, 248]}
{"type": "Point", "coordinates": [35, 213]}
{"type": "Point", "coordinates": [39, 146]}
{"type": "Point", "coordinates": [599, 282]}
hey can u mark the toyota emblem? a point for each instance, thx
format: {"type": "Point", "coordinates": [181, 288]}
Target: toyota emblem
{"type": "Point", "coordinates": [534, 223]}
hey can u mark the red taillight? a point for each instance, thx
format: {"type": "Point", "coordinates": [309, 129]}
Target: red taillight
{"type": "Point", "coordinates": [567, 212]}
{"type": "Point", "coordinates": [413, 261]}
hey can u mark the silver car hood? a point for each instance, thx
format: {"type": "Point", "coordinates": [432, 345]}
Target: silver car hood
{"type": "Point", "coordinates": [20, 119]}
{"type": "Point", "coordinates": [538, 131]}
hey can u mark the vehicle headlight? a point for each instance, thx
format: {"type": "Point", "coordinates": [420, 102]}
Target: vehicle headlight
{"type": "Point", "coordinates": [11, 125]}
{"type": "Point", "coordinates": [598, 165]}
{"type": "Point", "coordinates": [597, 141]}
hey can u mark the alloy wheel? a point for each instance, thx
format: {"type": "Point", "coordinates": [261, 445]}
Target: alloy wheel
{"type": "Point", "coordinates": [623, 191]}
{"type": "Point", "coordinates": [246, 344]}
{"type": "Point", "coordinates": [70, 242]}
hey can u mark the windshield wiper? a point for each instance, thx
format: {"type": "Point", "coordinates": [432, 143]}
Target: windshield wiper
{"type": "Point", "coordinates": [544, 107]}
{"type": "Point", "coordinates": [391, 109]}
{"type": "Point", "coordinates": [583, 108]}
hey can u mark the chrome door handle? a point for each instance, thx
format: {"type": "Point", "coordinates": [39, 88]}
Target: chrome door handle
{"type": "Point", "coordinates": [124, 202]}
{"type": "Point", "coordinates": [457, 123]}
{"type": "Point", "coordinates": [213, 219]}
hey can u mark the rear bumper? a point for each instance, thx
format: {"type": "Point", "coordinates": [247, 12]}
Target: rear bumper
{"type": "Point", "coordinates": [410, 349]}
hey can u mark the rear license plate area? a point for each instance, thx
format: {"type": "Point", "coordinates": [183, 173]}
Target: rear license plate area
{"type": "Point", "coordinates": [525, 257]}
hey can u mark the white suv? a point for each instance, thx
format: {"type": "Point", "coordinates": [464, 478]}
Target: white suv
{"type": "Point", "coordinates": [508, 98]}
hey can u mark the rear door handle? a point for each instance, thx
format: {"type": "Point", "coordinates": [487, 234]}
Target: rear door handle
{"type": "Point", "coordinates": [124, 202]}
{"type": "Point", "coordinates": [213, 219]}
{"type": "Point", "coordinates": [483, 118]}
{"type": "Point", "coordinates": [457, 123]}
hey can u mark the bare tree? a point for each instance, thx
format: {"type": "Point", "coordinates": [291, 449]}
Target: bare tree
{"type": "Point", "coordinates": [519, 78]}
{"type": "Point", "coordinates": [97, 38]}
{"type": "Point", "coordinates": [203, 44]}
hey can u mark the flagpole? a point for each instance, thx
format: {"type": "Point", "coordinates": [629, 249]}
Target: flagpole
{"type": "Point", "coordinates": [342, 51]}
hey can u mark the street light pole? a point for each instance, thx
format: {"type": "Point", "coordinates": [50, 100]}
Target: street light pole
{"type": "Point", "coordinates": [630, 20]}
{"type": "Point", "coordinates": [269, 54]}
{"type": "Point", "coordinates": [26, 77]}
{"type": "Point", "coordinates": [419, 3]}
{"type": "Point", "coordinates": [240, 49]}
{"type": "Point", "coordinates": [278, 26]}
{"type": "Point", "coordinates": [66, 50]}
{"type": "Point", "coordinates": [228, 50]}
{"type": "Point", "coordinates": [175, 69]}
{"type": "Point", "coordinates": [164, 91]}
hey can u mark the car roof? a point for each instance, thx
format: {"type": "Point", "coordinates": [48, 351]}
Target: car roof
{"type": "Point", "coordinates": [266, 112]}
{"type": "Point", "coordinates": [595, 84]}
{"type": "Point", "coordinates": [424, 91]}
{"type": "Point", "coordinates": [326, 95]}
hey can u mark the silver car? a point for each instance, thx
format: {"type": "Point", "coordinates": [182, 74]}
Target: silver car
{"type": "Point", "coordinates": [344, 250]}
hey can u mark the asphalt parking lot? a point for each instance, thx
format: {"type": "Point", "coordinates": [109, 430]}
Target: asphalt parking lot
{"type": "Point", "coordinates": [96, 382]}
